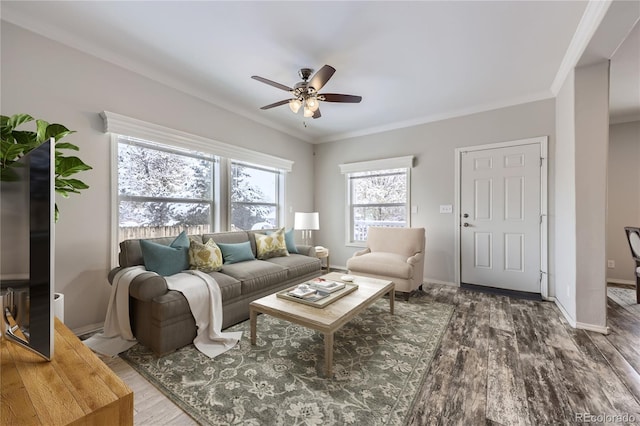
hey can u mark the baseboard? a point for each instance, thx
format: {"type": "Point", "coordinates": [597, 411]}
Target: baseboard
{"type": "Point", "coordinates": [434, 281]}
{"type": "Point", "coordinates": [581, 325]}
{"type": "Point", "coordinates": [592, 327]}
{"type": "Point", "coordinates": [617, 281]}
{"type": "Point", "coordinates": [566, 315]}
{"type": "Point", "coordinates": [91, 328]}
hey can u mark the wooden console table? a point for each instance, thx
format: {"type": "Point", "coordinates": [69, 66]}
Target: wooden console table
{"type": "Point", "coordinates": [74, 388]}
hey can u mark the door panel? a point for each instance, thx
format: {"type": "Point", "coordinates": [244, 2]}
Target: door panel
{"type": "Point", "coordinates": [500, 237]}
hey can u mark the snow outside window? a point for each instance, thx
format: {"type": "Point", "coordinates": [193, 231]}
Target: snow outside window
{"type": "Point", "coordinates": [378, 194]}
{"type": "Point", "coordinates": [163, 190]}
{"type": "Point", "coordinates": [255, 197]}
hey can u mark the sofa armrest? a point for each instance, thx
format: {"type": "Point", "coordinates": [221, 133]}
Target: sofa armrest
{"type": "Point", "coordinates": [306, 250]}
{"type": "Point", "coordinates": [361, 252]}
{"type": "Point", "coordinates": [147, 286]}
{"type": "Point", "coordinates": [415, 259]}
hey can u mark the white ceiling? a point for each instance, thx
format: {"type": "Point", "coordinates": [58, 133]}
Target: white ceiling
{"type": "Point", "coordinates": [412, 62]}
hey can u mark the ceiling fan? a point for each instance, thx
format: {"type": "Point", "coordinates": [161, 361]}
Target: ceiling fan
{"type": "Point", "coordinates": [305, 93]}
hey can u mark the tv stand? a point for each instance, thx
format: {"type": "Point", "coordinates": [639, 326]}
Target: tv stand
{"type": "Point", "coordinates": [74, 387]}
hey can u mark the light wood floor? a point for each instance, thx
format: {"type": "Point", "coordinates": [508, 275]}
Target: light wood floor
{"type": "Point", "coordinates": [502, 361]}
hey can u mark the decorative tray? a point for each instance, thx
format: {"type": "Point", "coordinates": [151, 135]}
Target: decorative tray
{"type": "Point", "coordinates": [320, 302]}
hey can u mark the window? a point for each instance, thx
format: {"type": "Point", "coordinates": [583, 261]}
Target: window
{"type": "Point", "coordinates": [163, 190]}
{"type": "Point", "coordinates": [255, 194]}
{"type": "Point", "coordinates": [377, 195]}
{"type": "Point", "coordinates": [165, 181]}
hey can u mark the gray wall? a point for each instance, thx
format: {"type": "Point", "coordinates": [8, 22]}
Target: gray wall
{"type": "Point", "coordinates": [592, 144]}
{"type": "Point", "coordinates": [582, 126]}
{"type": "Point", "coordinates": [563, 217]}
{"type": "Point", "coordinates": [59, 84]}
{"type": "Point", "coordinates": [432, 178]}
{"type": "Point", "coordinates": [623, 199]}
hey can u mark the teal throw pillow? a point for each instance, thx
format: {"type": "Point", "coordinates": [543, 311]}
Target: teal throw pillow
{"type": "Point", "coordinates": [234, 253]}
{"type": "Point", "coordinates": [290, 240]}
{"type": "Point", "coordinates": [166, 260]}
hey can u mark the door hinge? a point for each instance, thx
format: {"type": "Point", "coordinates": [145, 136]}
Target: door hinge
{"type": "Point", "coordinates": [541, 274]}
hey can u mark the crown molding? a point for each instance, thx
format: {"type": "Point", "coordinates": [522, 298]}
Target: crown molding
{"type": "Point", "coordinates": [591, 19]}
{"type": "Point", "coordinates": [127, 126]}
{"type": "Point", "coordinates": [540, 96]}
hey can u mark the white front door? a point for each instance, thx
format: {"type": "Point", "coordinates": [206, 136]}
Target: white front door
{"type": "Point", "coordinates": [500, 223]}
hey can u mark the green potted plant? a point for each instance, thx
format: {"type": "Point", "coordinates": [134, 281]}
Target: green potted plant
{"type": "Point", "coordinates": [15, 143]}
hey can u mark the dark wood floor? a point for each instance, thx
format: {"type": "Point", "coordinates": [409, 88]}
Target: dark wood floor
{"type": "Point", "coordinates": [509, 362]}
{"type": "Point", "coordinates": [502, 361]}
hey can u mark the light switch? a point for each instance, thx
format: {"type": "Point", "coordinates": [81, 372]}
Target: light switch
{"type": "Point", "coordinates": [446, 208]}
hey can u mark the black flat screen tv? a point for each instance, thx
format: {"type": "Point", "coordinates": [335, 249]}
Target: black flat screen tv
{"type": "Point", "coordinates": [27, 251]}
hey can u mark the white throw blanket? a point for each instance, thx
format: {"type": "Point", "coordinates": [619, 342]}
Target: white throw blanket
{"type": "Point", "coordinates": [203, 295]}
{"type": "Point", "coordinates": [205, 300]}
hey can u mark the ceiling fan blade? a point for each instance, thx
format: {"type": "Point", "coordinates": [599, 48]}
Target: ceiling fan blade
{"type": "Point", "coordinates": [272, 83]}
{"type": "Point", "coordinates": [275, 104]}
{"type": "Point", "coordinates": [317, 114]}
{"type": "Point", "coordinates": [337, 97]}
{"type": "Point", "coordinates": [321, 77]}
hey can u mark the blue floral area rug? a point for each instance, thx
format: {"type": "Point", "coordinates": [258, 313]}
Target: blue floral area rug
{"type": "Point", "coordinates": [380, 363]}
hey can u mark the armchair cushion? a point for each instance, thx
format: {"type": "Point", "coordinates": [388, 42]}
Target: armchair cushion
{"type": "Point", "coordinates": [382, 263]}
{"type": "Point", "coordinates": [395, 254]}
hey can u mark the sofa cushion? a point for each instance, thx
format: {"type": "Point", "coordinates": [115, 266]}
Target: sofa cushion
{"type": "Point", "coordinates": [166, 260]}
{"type": "Point", "coordinates": [271, 245]}
{"type": "Point", "coordinates": [234, 253]}
{"type": "Point", "coordinates": [381, 263]}
{"type": "Point", "coordinates": [205, 257]}
{"type": "Point", "coordinates": [230, 287]}
{"type": "Point", "coordinates": [131, 253]}
{"type": "Point", "coordinates": [297, 264]}
{"type": "Point", "coordinates": [255, 275]}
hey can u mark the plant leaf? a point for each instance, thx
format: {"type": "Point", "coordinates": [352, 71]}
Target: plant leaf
{"type": "Point", "coordinates": [57, 131]}
{"type": "Point", "coordinates": [56, 213]}
{"type": "Point", "coordinates": [18, 119]}
{"type": "Point", "coordinates": [41, 130]}
{"type": "Point", "coordinates": [66, 145]}
{"type": "Point", "coordinates": [25, 137]}
{"type": "Point", "coordinates": [66, 166]}
{"type": "Point", "coordinates": [71, 183]}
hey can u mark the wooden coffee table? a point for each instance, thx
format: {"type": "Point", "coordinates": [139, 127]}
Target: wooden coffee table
{"type": "Point", "coordinates": [328, 319]}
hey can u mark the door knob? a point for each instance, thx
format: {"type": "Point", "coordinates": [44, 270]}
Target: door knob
{"type": "Point", "coordinates": [466, 225]}
{"type": "Point", "coordinates": [466, 215]}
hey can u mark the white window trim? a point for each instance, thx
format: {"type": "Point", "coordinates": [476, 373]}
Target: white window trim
{"type": "Point", "coordinates": [120, 125]}
{"type": "Point", "coordinates": [405, 162]}
{"type": "Point", "coordinates": [127, 126]}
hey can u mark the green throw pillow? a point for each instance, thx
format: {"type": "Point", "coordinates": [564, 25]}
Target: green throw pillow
{"type": "Point", "coordinates": [205, 257]}
{"type": "Point", "coordinates": [166, 260]}
{"type": "Point", "coordinates": [234, 253]}
{"type": "Point", "coordinates": [271, 245]}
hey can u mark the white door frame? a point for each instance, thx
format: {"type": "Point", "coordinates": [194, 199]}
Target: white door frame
{"type": "Point", "coordinates": [544, 176]}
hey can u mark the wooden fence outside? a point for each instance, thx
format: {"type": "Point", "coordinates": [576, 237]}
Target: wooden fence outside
{"type": "Point", "coordinates": [135, 232]}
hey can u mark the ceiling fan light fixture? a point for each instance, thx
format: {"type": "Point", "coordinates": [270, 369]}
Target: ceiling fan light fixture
{"type": "Point", "coordinates": [294, 105]}
{"type": "Point", "coordinates": [312, 103]}
{"type": "Point", "coordinates": [307, 112]}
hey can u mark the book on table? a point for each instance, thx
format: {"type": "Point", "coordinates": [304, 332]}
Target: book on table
{"type": "Point", "coordinates": [326, 286]}
{"type": "Point", "coordinates": [310, 294]}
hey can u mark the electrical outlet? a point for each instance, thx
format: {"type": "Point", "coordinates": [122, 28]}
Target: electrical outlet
{"type": "Point", "coordinates": [611, 264]}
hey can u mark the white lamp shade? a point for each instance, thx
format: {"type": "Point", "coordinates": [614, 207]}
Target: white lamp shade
{"type": "Point", "coordinates": [295, 105]}
{"type": "Point", "coordinates": [307, 221]}
{"type": "Point", "coordinates": [307, 112]}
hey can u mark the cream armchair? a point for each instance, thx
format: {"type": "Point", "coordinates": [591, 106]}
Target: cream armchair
{"type": "Point", "coordinates": [395, 254]}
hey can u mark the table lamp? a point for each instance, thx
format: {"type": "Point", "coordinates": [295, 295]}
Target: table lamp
{"type": "Point", "coordinates": [306, 222]}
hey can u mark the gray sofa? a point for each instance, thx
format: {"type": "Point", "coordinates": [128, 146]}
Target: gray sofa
{"type": "Point", "coordinates": [161, 319]}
